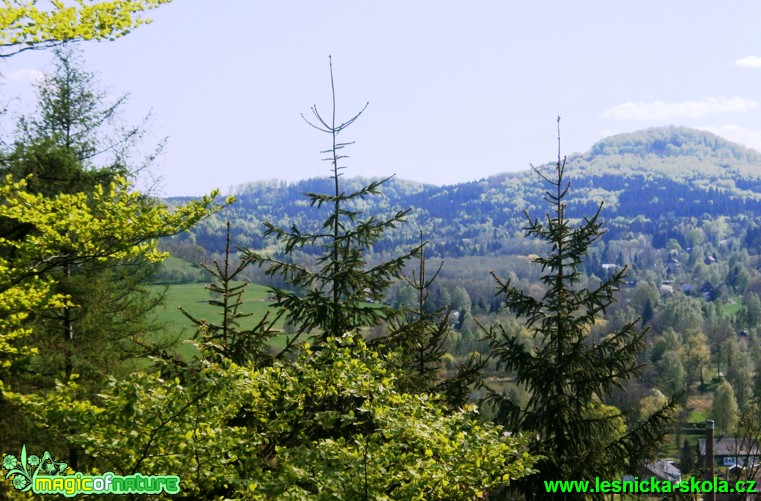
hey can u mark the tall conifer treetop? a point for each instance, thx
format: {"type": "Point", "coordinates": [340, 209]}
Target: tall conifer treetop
{"type": "Point", "coordinates": [567, 375]}
{"type": "Point", "coordinates": [332, 297]}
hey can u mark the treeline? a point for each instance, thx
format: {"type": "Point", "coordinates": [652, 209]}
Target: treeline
{"type": "Point", "coordinates": [374, 389]}
{"type": "Point", "coordinates": [661, 176]}
{"type": "Point", "coordinates": [680, 216]}
{"type": "Point", "coordinates": [90, 383]}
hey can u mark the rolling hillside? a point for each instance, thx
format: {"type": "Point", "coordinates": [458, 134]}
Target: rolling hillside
{"type": "Point", "coordinates": [648, 180]}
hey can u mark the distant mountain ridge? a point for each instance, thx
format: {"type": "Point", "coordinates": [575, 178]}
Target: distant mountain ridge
{"type": "Point", "coordinates": [648, 180]}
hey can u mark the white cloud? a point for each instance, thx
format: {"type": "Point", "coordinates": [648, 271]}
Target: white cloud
{"type": "Point", "coordinates": [749, 62]}
{"type": "Point", "coordinates": [745, 136]}
{"type": "Point", "coordinates": [660, 110]}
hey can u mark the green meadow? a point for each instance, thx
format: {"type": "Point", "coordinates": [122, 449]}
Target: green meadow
{"type": "Point", "coordinates": [194, 298]}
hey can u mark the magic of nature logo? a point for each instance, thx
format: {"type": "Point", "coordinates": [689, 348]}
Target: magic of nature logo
{"type": "Point", "coordinates": [44, 475]}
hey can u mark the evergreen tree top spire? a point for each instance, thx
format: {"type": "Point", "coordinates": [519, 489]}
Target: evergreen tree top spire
{"type": "Point", "coordinates": [332, 296]}
{"type": "Point", "coordinates": [567, 374]}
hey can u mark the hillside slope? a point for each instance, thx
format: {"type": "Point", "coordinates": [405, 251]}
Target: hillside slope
{"type": "Point", "coordinates": [649, 181]}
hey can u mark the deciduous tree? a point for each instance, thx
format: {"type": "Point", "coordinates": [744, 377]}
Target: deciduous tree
{"type": "Point", "coordinates": [31, 24]}
{"type": "Point", "coordinates": [73, 144]}
{"type": "Point", "coordinates": [383, 444]}
{"type": "Point", "coordinates": [108, 225]}
{"type": "Point", "coordinates": [725, 411]}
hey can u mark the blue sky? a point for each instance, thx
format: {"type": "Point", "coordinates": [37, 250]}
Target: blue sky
{"type": "Point", "coordinates": [458, 90]}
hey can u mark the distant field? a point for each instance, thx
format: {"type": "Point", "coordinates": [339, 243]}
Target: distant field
{"type": "Point", "coordinates": [194, 298]}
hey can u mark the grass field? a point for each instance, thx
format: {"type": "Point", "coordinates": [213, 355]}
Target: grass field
{"type": "Point", "coordinates": [732, 306]}
{"type": "Point", "coordinates": [194, 298]}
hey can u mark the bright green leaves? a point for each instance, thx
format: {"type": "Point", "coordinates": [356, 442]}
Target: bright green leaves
{"type": "Point", "coordinates": [328, 425]}
{"type": "Point", "coordinates": [17, 303]}
{"type": "Point", "coordinates": [108, 224]}
{"type": "Point", "coordinates": [25, 25]}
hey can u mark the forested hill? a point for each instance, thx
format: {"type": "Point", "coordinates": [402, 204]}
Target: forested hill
{"type": "Point", "coordinates": [650, 181]}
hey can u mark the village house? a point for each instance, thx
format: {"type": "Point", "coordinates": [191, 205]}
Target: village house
{"type": "Point", "coordinates": [730, 451]}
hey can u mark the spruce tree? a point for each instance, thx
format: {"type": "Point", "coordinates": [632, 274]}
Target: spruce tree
{"type": "Point", "coordinates": [567, 375]}
{"type": "Point", "coordinates": [74, 143]}
{"type": "Point", "coordinates": [421, 338]}
{"type": "Point", "coordinates": [225, 339]}
{"type": "Point", "coordinates": [331, 298]}
{"type": "Point", "coordinates": [72, 147]}
{"type": "Point", "coordinates": [77, 116]}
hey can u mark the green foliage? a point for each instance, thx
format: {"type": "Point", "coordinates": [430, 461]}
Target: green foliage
{"type": "Point", "coordinates": [725, 411]}
{"type": "Point", "coordinates": [327, 423]}
{"type": "Point", "coordinates": [75, 223]}
{"type": "Point", "coordinates": [696, 355]}
{"type": "Point", "coordinates": [681, 313]}
{"type": "Point", "coordinates": [672, 373]}
{"type": "Point", "coordinates": [646, 195]}
{"type": "Point", "coordinates": [330, 299]}
{"type": "Point", "coordinates": [421, 333]}
{"type": "Point", "coordinates": [109, 224]}
{"type": "Point", "coordinates": [297, 443]}
{"type": "Point", "coordinates": [226, 338]}
{"type": "Point", "coordinates": [74, 114]}
{"type": "Point", "coordinates": [43, 292]}
{"type": "Point", "coordinates": [339, 420]}
{"type": "Point", "coordinates": [569, 376]}
{"type": "Point", "coordinates": [651, 404]}
{"type": "Point", "coordinates": [21, 294]}
{"type": "Point", "coordinates": [26, 25]}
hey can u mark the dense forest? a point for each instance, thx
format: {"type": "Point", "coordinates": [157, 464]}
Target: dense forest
{"type": "Point", "coordinates": [578, 320]}
{"type": "Point", "coordinates": [652, 182]}
{"type": "Point", "coordinates": [680, 210]}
